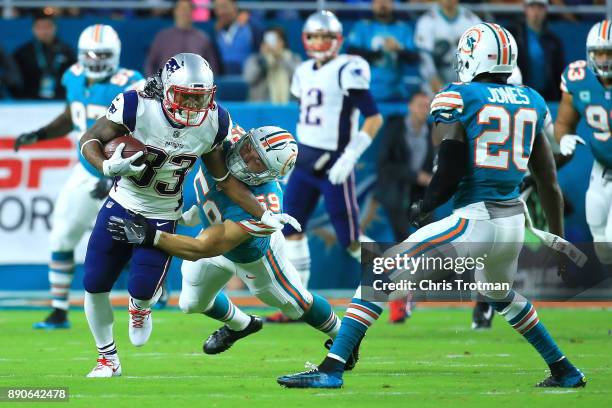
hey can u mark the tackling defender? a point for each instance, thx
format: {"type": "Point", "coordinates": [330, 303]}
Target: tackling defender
{"type": "Point", "coordinates": [586, 87]}
{"type": "Point", "coordinates": [179, 127]}
{"type": "Point", "coordinates": [231, 243]}
{"type": "Point", "coordinates": [91, 85]}
{"type": "Point", "coordinates": [332, 88]}
{"type": "Point", "coordinates": [491, 133]}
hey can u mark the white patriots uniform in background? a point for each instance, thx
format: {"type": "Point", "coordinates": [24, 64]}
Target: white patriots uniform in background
{"type": "Point", "coordinates": [437, 37]}
{"type": "Point", "coordinates": [172, 151]}
{"type": "Point", "coordinates": [325, 122]}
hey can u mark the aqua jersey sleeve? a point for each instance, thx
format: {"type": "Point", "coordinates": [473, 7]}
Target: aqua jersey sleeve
{"type": "Point", "coordinates": [447, 105]}
{"type": "Point", "coordinates": [270, 196]}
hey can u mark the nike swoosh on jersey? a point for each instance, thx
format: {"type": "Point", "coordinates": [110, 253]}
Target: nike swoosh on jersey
{"type": "Point", "coordinates": [159, 224]}
{"type": "Point", "coordinates": [249, 277]}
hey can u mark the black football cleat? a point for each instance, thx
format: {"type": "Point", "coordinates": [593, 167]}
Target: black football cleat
{"type": "Point", "coordinates": [353, 358]}
{"type": "Point", "coordinates": [572, 379]}
{"type": "Point", "coordinates": [224, 338]}
{"type": "Point", "coordinates": [482, 316]}
{"type": "Point", "coordinates": [57, 319]}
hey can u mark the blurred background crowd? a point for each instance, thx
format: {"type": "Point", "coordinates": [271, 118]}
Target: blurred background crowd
{"type": "Point", "coordinates": [253, 50]}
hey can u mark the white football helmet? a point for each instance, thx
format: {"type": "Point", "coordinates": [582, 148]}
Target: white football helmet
{"type": "Point", "coordinates": [485, 47]}
{"type": "Point", "coordinates": [189, 90]}
{"type": "Point", "coordinates": [322, 22]}
{"type": "Point", "coordinates": [99, 51]}
{"type": "Point", "coordinates": [276, 148]}
{"type": "Point", "coordinates": [599, 40]}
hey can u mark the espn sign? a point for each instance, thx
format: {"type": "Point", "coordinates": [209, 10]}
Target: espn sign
{"type": "Point", "coordinates": [30, 181]}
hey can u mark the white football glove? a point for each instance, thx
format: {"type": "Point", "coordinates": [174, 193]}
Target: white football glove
{"type": "Point", "coordinates": [342, 168]}
{"type": "Point", "coordinates": [118, 166]}
{"type": "Point", "coordinates": [191, 217]}
{"type": "Point", "coordinates": [278, 221]}
{"type": "Point", "coordinates": [567, 145]}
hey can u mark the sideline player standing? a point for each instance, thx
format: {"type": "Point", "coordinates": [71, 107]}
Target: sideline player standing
{"type": "Point", "coordinates": [91, 85]}
{"type": "Point", "coordinates": [587, 90]}
{"type": "Point", "coordinates": [491, 132]}
{"type": "Point", "coordinates": [332, 90]}
{"type": "Point", "coordinates": [178, 129]}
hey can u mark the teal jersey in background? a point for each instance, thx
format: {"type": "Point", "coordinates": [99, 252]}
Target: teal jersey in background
{"type": "Point", "coordinates": [89, 102]}
{"type": "Point", "coordinates": [594, 104]}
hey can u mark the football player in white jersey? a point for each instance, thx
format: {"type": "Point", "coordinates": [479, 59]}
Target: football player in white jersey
{"type": "Point", "coordinates": [91, 84]}
{"type": "Point", "coordinates": [436, 35]}
{"type": "Point", "coordinates": [333, 89]}
{"type": "Point", "coordinates": [183, 125]}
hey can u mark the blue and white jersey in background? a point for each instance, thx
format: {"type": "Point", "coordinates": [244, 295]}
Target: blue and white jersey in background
{"type": "Point", "coordinates": [216, 207]}
{"type": "Point", "coordinates": [501, 123]}
{"type": "Point", "coordinates": [89, 102]}
{"type": "Point", "coordinates": [328, 119]}
{"type": "Point", "coordinates": [594, 104]}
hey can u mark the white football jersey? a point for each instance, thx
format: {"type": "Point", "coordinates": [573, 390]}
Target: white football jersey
{"type": "Point", "coordinates": [172, 151]}
{"type": "Point", "coordinates": [327, 119]}
{"type": "Point", "coordinates": [437, 37]}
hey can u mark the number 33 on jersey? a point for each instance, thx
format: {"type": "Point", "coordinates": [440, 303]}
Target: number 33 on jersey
{"type": "Point", "coordinates": [499, 133]}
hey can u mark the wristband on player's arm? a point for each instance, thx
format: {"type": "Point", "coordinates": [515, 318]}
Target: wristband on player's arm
{"type": "Point", "coordinates": [358, 144]}
{"type": "Point", "coordinates": [452, 166]}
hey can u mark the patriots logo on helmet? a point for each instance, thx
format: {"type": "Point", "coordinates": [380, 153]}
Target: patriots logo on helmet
{"type": "Point", "coordinates": [172, 66]}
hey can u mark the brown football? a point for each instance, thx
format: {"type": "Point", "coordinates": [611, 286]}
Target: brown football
{"type": "Point", "coordinates": [132, 146]}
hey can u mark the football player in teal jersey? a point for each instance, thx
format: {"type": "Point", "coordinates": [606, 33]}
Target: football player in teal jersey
{"type": "Point", "coordinates": [91, 85]}
{"type": "Point", "coordinates": [587, 94]}
{"type": "Point", "coordinates": [233, 243]}
{"type": "Point", "coordinates": [491, 133]}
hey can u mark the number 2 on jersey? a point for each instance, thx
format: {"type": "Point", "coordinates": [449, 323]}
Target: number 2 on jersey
{"type": "Point", "coordinates": [314, 99]}
{"type": "Point", "coordinates": [507, 125]}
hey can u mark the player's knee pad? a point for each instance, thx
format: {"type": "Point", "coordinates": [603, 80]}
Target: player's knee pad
{"type": "Point", "coordinates": [292, 311]}
{"type": "Point", "coordinates": [191, 305]}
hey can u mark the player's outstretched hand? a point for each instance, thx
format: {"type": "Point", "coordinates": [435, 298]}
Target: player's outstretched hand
{"type": "Point", "coordinates": [25, 139]}
{"type": "Point", "coordinates": [191, 217]}
{"type": "Point", "coordinates": [137, 231]}
{"type": "Point", "coordinates": [102, 188]}
{"type": "Point", "coordinates": [342, 168]}
{"type": "Point", "coordinates": [278, 221]}
{"type": "Point", "coordinates": [417, 216]}
{"type": "Point", "coordinates": [118, 166]}
{"type": "Point", "coordinates": [567, 145]}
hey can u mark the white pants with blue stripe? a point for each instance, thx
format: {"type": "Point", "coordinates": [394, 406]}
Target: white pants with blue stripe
{"type": "Point", "coordinates": [498, 241]}
{"type": "Point", "coordinates": [272, 279]}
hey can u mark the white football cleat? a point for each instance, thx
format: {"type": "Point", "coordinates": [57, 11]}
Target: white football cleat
{"type": "Point", "coordinates": [106, 368]}
{"type": "Point", "coordinates": [140, 325]}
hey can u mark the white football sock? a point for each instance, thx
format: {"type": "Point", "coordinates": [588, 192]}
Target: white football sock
{"type": "Point", "coordinates": [298, 253]}
{"type": "Point", "coordinates": [99, 313]}
{"type": "Point", "coordinates": [146, 304]}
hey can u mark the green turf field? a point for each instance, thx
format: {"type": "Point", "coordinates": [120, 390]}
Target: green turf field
{"type": "Point", "coordinates": [432, 360]}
